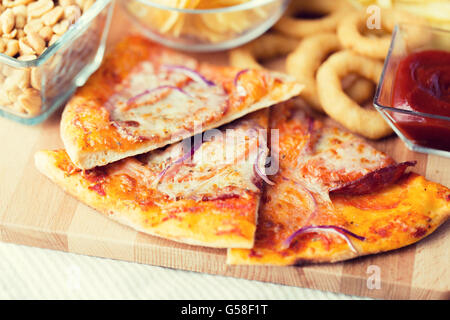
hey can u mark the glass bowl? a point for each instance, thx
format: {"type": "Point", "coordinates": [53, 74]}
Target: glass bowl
{"type": "Point", "coordinates": [204, 29]}
{"type": "Point", "coordinates": [31, 90]}
{"type": "Point", "coordinates": [421, 132]}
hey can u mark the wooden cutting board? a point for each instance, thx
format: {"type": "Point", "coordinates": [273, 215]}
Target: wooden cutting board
{"type": "Point", "coordinates": [34, 212]}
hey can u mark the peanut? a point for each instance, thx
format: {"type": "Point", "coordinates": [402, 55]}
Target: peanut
{"type": "Point", "coordinates": [20, 21]}
{"type": "Point", "coordinates": [53, 39]}
{"type": "Point", "coordinates": [20, 10]}
{"type": "Point", "coordinates": [35, 78]}
{"type": "Point", "coordinates": [33, 26]}
{"type": "Point", "coordinates": [72, 13]}
{"type": "Point", "coordinates": [7, 21]}
{"type": "Point", "coordinates": [20, 34]}
{"type": "Point", "coordinates": [61, 27]}
{"type": "Point", "coordinates": [15, 3]}
{"type": "Point", "coordinates": [66, 3]}
{"type": "Point", "coordinates": [10, 35]}
{"type": "Point", "coordinates": [27, 58]}
{"type": "Point", "coordinates": [30, 101]}
{"type": "Point", "coordinates": [2, 45]}
{"type": "Point", "coordinates": [24, 47]}
{"type": "Point", "coordinates": [11, 84]}
{"type": "Point", "coordinates": [46, 33]}
{"type": "Point", "coordinates": [39, 8]}
{"type": "Point", "coordinates": [13, 93]}
{"type": "Point", "coordinates": [12, 47]}
{"type": "Point", "coordinates": [20, 78]}
{"type": "Point", "coordinates": [36, 42]}
{"type": "Point", "coordinates": [7, 71]}
{"type": "Point", "coordinates": [4, 99]}
{"type": "Point", "coordinates": [53, 16]}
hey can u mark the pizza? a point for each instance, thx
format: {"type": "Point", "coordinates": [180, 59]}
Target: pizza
{"type": "Point", "coordinates": [204, 190]}
{"type": "Point", "coordinates": [146, 96]}
{"type": "Point", "coordinates": [335, 197]}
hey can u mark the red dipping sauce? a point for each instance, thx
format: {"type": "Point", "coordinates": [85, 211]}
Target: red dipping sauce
{"type": "Point", "coordinates": [422, 84]}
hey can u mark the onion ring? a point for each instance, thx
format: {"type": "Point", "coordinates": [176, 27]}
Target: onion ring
{"type": "Point", "coordinates": [351, 32]}
{"type": "Point", "coordinates": [268, 46]}
{"type": "Point", "coordinates": [333, 10]}
{"type": "Point", "coordinates": [358, 88]}
{"type": "Point", "coordinates": [367, 122]}
{"type": "Point", "coordinates": [304, 61]}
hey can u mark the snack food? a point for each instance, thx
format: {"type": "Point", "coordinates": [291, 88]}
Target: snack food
{"type": "Point", "coordinates": [360, 89]}
{"type": "Point", "coordinates": [304, 61]}
{"type": "Point", "coordinates": [365, 121]}
{"type": "Point", "coordinates": [336, 198]}
{"type": "Point", "coordinates": [28, 28]}
{"type": "Point", "coordinates": [268, 46]}
{"type": "Point", "coordinates": [145, 96]}
{"type": "Point", "coordinates": [329, 12]}
{"type": "Point", "coordinates": [210, 27]}
{"type": "Point", "coordinates": [205, 192]}
{"type": "Point", "coordinates": [352, 32]}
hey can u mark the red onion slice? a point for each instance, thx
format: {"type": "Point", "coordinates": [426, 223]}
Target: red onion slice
{"type": "Point", "coordinates": [259, 170]}
{"type": "Point", "coordinates": [374, 180]}
{"type": "Point", "coordinates": [311, 197]}
{"type": "Point", "coordinates": [236, 78]}
{"type": "Point", "coordinates": [133, 99]}
{"type": "Point", "coordinates": [187, 155]}
{"type": "Point", "coordinates": [339, 231]}
{"type": "Point", "coordinates": [191, 73]}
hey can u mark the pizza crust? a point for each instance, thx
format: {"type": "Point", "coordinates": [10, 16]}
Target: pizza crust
{"type": "Point", "coordinates": [414, 217]}
{"type": "Point", "coordinates": [134, 216]}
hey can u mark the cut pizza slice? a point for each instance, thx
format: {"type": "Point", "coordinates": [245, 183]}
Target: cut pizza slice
{"type": "Point", "coordinates": [146, 96]}
{"type": "Point", "coordinates": [335, 197]}
{"type": "Point", "coordinates": [204, 190]}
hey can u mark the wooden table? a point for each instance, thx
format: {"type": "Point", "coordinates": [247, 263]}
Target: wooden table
{"type": "Point", "coordinates": [34, 212]}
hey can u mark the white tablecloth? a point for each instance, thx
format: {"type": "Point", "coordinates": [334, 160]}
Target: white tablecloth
{"type": "Point", "coordinates": [34, 273]}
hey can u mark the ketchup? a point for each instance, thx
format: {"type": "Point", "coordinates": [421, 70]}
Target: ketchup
{"type": "Point", "coordinates": [422, 84]}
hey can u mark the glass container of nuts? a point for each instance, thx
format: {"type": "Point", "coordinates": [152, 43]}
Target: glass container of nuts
{"type": "Point", "coordinates": [47, 49]}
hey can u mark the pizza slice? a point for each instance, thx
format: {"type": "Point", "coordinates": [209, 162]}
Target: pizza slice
{"type": "Point", "coordinates": [146, 96]}
{"type": "Point", "coordinates": [204, 190]}
{"type": "Point", "coordinates": [335, 197]}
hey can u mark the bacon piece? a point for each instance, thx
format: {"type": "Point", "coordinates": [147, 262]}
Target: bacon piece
{"type": "Point", "coordinates": [95, 175]}
{"type": "Point", "coordinates": [374, 180]}
{"type": "Point", "coordinates": [98, 188]}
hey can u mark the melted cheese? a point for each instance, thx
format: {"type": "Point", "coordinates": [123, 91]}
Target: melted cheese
{"type": "Point", "coordinates": [337, 157]}
{"type": "Point", "coordinates": [221, 164]}
{"type": "Point", "coordinates": [165, 112]}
